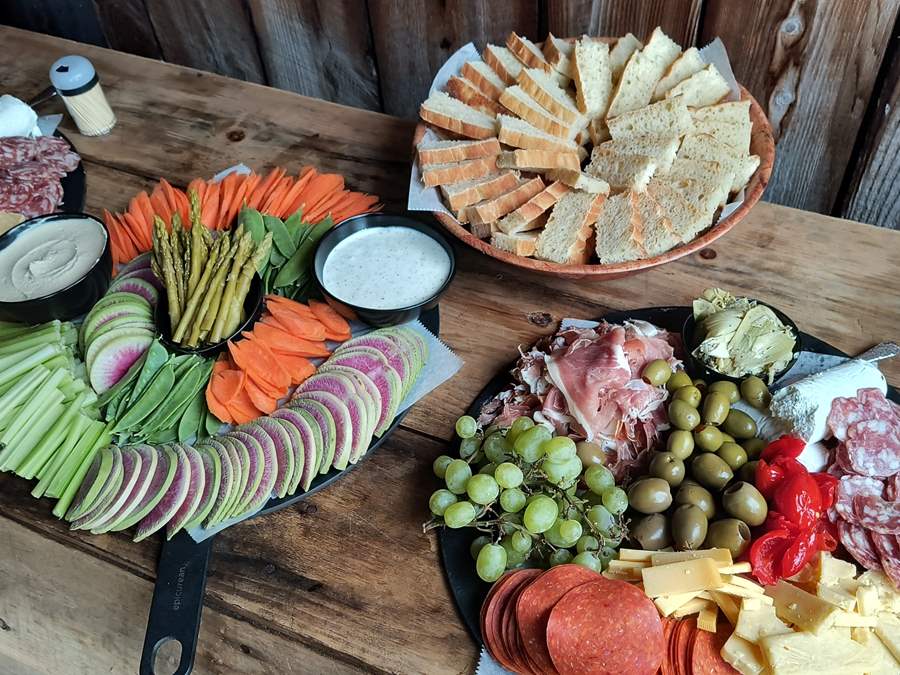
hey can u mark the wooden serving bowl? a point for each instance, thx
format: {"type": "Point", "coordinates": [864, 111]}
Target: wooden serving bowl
{"type": "Point", "coordinates": [761, 143]}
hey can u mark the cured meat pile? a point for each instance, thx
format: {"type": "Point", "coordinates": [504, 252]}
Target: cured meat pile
{"type": "Point", "coordinates": [30, 173]}
{"type": "Point", "coordinates": [586, 383]}
{"type": "Point", "coordinates": [867, 462]}
{"type": "Point", "coordinates": [690, 650]}
{"type": "Point", "coordinates": [571, 621]}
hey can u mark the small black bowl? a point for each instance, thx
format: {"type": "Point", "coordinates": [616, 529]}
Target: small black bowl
{"type": "Point", "coordinates": [696, 367]}
{"type": "Point", "coordinates": [67, 303]}
{"type": "Point", "coordinates": [379, 317]}
{"type": "Point", "coordinates": [253, 307]}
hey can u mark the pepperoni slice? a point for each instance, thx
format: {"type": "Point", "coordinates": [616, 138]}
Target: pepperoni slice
{"type": "Point", "coordinates": [603, 627]}
{"type": "Point", "coordinates": [888, 548]}
{"type": "Point", "coordinates": [494, 611]}
{"type": "Point", "coordinates": [858, 544]}
{"type": "Point", "coordinates": [706, 652]}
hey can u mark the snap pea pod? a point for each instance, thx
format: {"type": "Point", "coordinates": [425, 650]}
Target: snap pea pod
{"type": "Point", "coordinates": [163, 436]}
{"type": "Point", "coordinates": [149, 400]}
{"type": "Point", "coordinates": [191, 422]}
{"type": "Point", "coordinates": [280, 236]}
{"type": "Point", "coordinates": [184, 390]}
{"type": "Point", "coordinates": [172, 401]}
{"type": "Point", "coordinates": [298, 265]}
{"type": "Point", "coordinates": [154, 359]}
{"type": "Point", "coordinates": [252, 221]}
{"type": "Point", "coordinates": [211, 423]}
{"type": "Point", "coordinates": [294, 226]}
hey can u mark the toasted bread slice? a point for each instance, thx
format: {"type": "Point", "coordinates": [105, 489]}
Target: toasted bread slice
{"type": "Point", "coordinates": [731, 112]}
{"type": "Point", "coordinates": [669, 116]}
{"type": "Point", "coordinates": [657, 232]}
{"type": "Point", "coordinates": [520, 134]}
{"type": "Point", "coordinates": [685, 219]}
{"type": "Point", "coordinates": [503, 62]}
{"type": "Point", "coordinates": [533, 213]}
{"type": "Point", "coordinates": [704, 146]}
{"type": "Point", "coordinates": [559, 54]}
{"type": "Point", "coordinates": [579, 181]}
{"type": "Point", "coordinates": [706, 195]}
{"type": "Point", "coordinates": [622, 172]}
{"type": "Point", "coordinates": [642, 72]}
{"type": "Point", "coordinates": [444, 152]}
{"type": "Point", "coordinates": [660, 147]}
{"type": "Point", "coordinates": [684, 66]}
{"type": "Point", "coordinates": [483, 230]}
{"type": "Point", "coordinates": [543, 88]}
{"type": "Point", "coordinates": [619, 231]}
{"type": "Point", "coordinates": [566, 239]}
{"type": "Point", "coordinates": [593, 76]}
{"type": "Point", "coordinates": [455, 172]}
{"type": "Point", "coordinates": [598, 131]}
{"type": "Point", "coordinates": [538, 160]}
{"type": "Point", "coordinates": [520, 103]}
{"type": "Point", "coordinates": [461, 89]}
{"type": "Point", "coordinates": [735, 136]}
{"type": "Point", "coordinates": [620, 53]}
{"type": "Point", "coordinates": [705, 87]}
{"type": "Point", "coordinates": [483, 76]}
{"type": "Point", "coordinates": [701, 170]}
{"type": "Point", "coordinates": [491, 210]}
{"type": "Point", "coordinates": [519, 243]}
{"type": "Point", "coordinates": [460, 195]}
{"type": "Point", "coordinates": [530, 56]}
{"type": "Point", "coordinates": [444, 111]}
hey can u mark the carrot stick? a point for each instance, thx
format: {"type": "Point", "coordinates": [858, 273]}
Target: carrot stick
{"type": "Point", "coordinates": [184, 206]}
{"type": "Point", "coordinates": [242, 408]}
{"type": "Point", "coordinates": [320, 188]}
{"type": "Point", "coordinates": [135, 231]}
{"type": "Point", "coordinates": [253, 181]}
{"type": "Point", "coordinates": [326, 206]}
{"type": "Point", "coordinates": [293, 196]}
{"type": "Point", "coordinates": [129, 247]}
{"type": "Point", "coordinates": [297, 326]}
{"type": "Point", "coordinates": [160, 205]}
{"type": "Point", "coordinates": [169, 193]}
{"type": "Point", "coordinates": [215, 405]}
{"type": "Point", "coordinates": [297, 307]}
{"type": "Point", "coordinates": [239, 191]}
{"type": "Point", "coordinates": [274, 199]}
{"type": "Point", "coordinates": [226, 192]}
{"type": "Point", "coordinates": [262, 192]}
{"type": "Point", "coordinates": [325, 313]}
{"type": "Point", "coordinates": [298, 367]}
{"type": "Point", "coordinates": [111, 228]}
{"type": "Point", "coordinates": [260, 398]}
{"type": "Point", "coordinates": [228, 384]}
{"type": "Point", "coordinates": [209, 209]}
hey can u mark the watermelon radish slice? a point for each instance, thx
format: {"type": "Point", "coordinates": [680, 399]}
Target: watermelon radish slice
{"type": "Point", "coordinates": [295, 452]}
{"type": "Point", "coordinates": [137, 286]}
{"type": "Point", "coordinates": [411, 342]}
{"type": "Point", "coordinates": [281, 446]}
{"type": "Point", "coordinates": [363, 413]}
{"type": "Point", "coordinates": [327, 427]}
{"type": "Point", "coordinates": [167, 463]}
{"type": "Point", "coordinates": [226, 485]}
{"type": "Point", "coordinates": [96, 318]}
{"type": "Point", "coordinates": [212, 478]}
{"type": "Point", "coordinates": [126, 320]}
{"type": "Point", "coordinates": [343, 423]}
{"type": "Point", "coordinates": [111, 299]}
{"type": "Point", "coordinates": [373, 364]}
{"type": "Point", "coordinates": [145, 471]}
{"type": "Point", "coordinates": [97, 343]}
{"type": "Point", "coordinates": [269, 475]}
{"type": "Point", "coordinates": [131, 467]}
{"type": "Point", "coordinates": [92, 484]}
{"type": "Point", "coordinates": [196, 488]}
{"type": "Point", "coordinates": [145, 274]}
{"type": "Point", "coordinates": [240, 457]}
{"type": "Point", "coordinates": [313, 442]}
{"type": "Point", "coordinates": [171, 500]}
{"type": "Point", "coordinates": [112, 362]}
{"type": "Point", "coordinates": [396, 357]}
{"type": "Point", "coordinates": [256, 468]}
{"type": "Point", "coordinates": [366, 388]}
{"type": "Point", "coordinates": [139, 262]}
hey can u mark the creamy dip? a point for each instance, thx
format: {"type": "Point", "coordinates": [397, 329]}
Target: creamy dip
{"type": "Point", "coordinates": [48, 257]}
{"type": "Point", "coordinates": [386, 268]}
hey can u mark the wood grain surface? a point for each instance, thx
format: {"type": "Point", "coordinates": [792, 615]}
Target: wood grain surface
{"type": "Point", "coordinates": [680, 19]}
{"type": "Point", "coordinates": [345, 581]}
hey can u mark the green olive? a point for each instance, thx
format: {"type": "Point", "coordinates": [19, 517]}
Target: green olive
{"type": "Point", "coordinates": [649, 495]}
{"type": "Point", "coordinates": [711, 471]}
{"type": "Point", "coordinates": [743, 501]}
{"type": "Point", "coordinates": [700, 383]}
{"type": "Point", "coordinates": [680, 444]}
{"type": "Point", "coordinates": [667, 466]}
{"type": "Point", "coordinates": [683, 416]}
{"type": "Point", "coordinates": [651, 532]}
{"type": "Point", "coordinates": [754, 447]}
{"type": "Point", "coordinates": [755, 392]}
{"type": "Point", "coordinates": [678, 380]}
{"type": "Point", "coordinates": [727, 438]}
{"type": "Point", "coordinates": [590, 453]}
{"type": "Point", "coordinates": [715, 407]}
{"type": "Point", "coordinates": [747, 472]}
{"type": "Point", "coordinates": [729, 533]}
{"type": "Point", "coordinates": [730, 389]}
{"type": "Point", "coordinates": [689, 394]}
{"type": "Point", "coordinates": [708, 438]}
{"type": "Point", "coordinates": [733, 454]}
{"type": "Point", "coordinates": [657, 372]}
{"type": "Point", "coordinates": [740, 425]}
{"type": "Point", "coordinates": [689, 526]}
{"type": "Point", "coordinates": [694, 493]}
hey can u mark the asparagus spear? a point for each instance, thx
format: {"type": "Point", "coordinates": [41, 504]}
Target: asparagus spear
{"type": "Point", "coordinates": [177, 255]}
{"type": "Point", "coordinates": [235, 311]}
{"type": "Point", "coordinates": [218, 281]}
{"type": "Point", "coordinates": [193, 303]}
{"type": "Point", "coordinates": [197, 243]}
{"type": "Point", "coordinates": [168, 270]}
{"type": "Point", "coordinates": [244, 250]}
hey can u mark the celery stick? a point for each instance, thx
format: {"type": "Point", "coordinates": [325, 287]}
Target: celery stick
{"type": "Point", "coordinates": [48, 471]}
{"type": "Point", "coordinates": [22, 388]}
{"type": "Point", "coordinates": [38, 401]}
{"type": "Point", "coordinates": [22, 363]}
{"type": "Point", "coordinates": [68, 493]}
{"type": "Point", "coordinates": [64, 472]}
{"type": "Point", "coordinates": [51, 440]}
{"type": "Point", "coordinates": [45, 336]}
{"type": "Point", "coordinates": [24, 446]}
{"type": "Point", "coordinates": [72, 388]}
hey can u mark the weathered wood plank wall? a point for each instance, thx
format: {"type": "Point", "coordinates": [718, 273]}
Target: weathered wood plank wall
{"type": "Point", "coordinates": [827, 72]}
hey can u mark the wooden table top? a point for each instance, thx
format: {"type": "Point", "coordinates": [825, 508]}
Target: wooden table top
{"type": "Point", "coordinates": [346, 581]}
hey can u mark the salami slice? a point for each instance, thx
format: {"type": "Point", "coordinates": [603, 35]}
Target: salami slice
{"type": "Point", "coordinates": [876, 514]}
{"type": "Point", "coordinates": [706, 654]}
{"type": "Point", "coordinates": [873, 447]}
{"type": "Point", "coordinates": [492, 620]}
{"type": "Point", "coordinates": [889, 551]}
{"type": "Point", "coordinates": [537, 601]}
{"type": "Point", "coordinates": [858, 544]}
{"type": "Point", "coordinates": [605, 626]}
{"type": "Point", "coordinates": [892, 488]}
{"type": "Point", "coordinates": [509, 631]}
{"type": "Point", "coordinates": [16, 149]}
{"type": "Point", "coordinates": [850, 487]}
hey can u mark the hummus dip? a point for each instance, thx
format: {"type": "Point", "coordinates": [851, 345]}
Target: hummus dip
{"type": "Point", "coordinates": [48, 256]}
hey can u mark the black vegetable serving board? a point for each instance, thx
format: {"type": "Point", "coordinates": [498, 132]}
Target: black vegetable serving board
{"type": "Point", "coordinates": [468, 590]}
{"type": "Point", "coordinates": [177, 604]}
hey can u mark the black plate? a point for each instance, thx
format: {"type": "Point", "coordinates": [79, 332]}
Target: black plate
{"type": "Point", "coordinates": [74, 184]}
{"type": "Point", "coordinates": [468, 590]}
{"type": "Point", "coordinates": [177, 603]}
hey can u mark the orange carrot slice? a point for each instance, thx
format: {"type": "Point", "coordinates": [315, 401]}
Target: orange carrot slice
{"type": "Point", "coordinates": [294, 195]}
{"type": "Point", "coordinates": [259, 365]}
{"type": "Point", "coordinates": [209, 209]}
{"type": "Point", "coordinates": [338, 337]}
{"type": "Point", "coordinates": [260, 398]}
{"type": "Point", "coordinates": [297, 307]}
{"type": "Point", "coordinates": [298, 326]}
{"type": "Point", "coordinates": [326, 206]}
{"type": "Point", "coordinates": [298, 367]}
{"type": "Point", "coordinates": [222, 363]}
{"type": "Point", "coordinates": [325, 313]}
{"type": "Point", "coordinates": [242, 408]}
{"type": "Point", "coordinates": [216, 407]}
{"type": "Point", "coordinates": [261, 193]}
{"type": "Point", "coordinates": [160, 205]}
{"type": "Point", "coordinates": [227, 384]}
{"type": "Point", "coordinates": [302, 347]}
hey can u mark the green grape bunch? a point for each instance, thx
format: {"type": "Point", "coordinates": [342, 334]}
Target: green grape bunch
{"type": "Point", "coordinates": [535, 498]}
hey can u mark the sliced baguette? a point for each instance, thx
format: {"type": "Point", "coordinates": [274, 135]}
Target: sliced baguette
{"type": "Point", "coordinates": [619, 231]}
{"type": "Point", "coordinates": [642, 72]}
{"type": "Point", "coordinates": [444, 111]}
{"type": "Point", "coordinates": [685, 219]}
{"type": "Point", "coordinates": [598, 131]}
{"type": "Point", "coordinates": [483, 230]}
{"type": "Point", "coordinates": [579, 181]}
{"type": "Point", "coordinates": [444, 152]}
{"type": "Point", "coordinates": [455, 172]}
{"type": "Point", "coordinates": [733, 112]}
{"type": "Point", "coordinates": [621, 172]}
{"type": "Point", "coordinates": [461, 89]}
{"type": "Point", "coordinates": [503, 62]}
{"type": "Point", "coordinates": [544, 89]}
{"type": "Point", "coordinates": [705, 87]}
{"type": "Point", "coordinates": [533, 213]}
{"type": "Point", "coordinates": [483, 76]}
{"type": "Point", "coordinates": [700, 169]}
{"type": "Point", "coordinates": [566, 239]}
{"type": "Point", "coordinates": [593, 76]}
{"type": "Point", "coordinates": [518, 133]}
{"type": "Point", "coordinates": [704, 146]}
{"type": "Point", "coordinates": [538, 160]}
{"type": "Point", "coordinates": [661, 148]}
{"type": "Point", "coordinates": [657, 232]}
{"type": "Point", "coordinates": [684, 66]}
{"type": "Point", "coordinates": [527, 52]}
{"type": "Point", "coordinates": [559, 54]}
{"type": "Point", "coordinates": [519, 243]}
{"type": "Point", "coordinates": [735, 136]}
{"type": "Point", "coordinates": [620, 53]}
{"type": "Point", "coordinates": [518, 102]}
{"type": "Point", "coordinates": [706, 195]}
{"type": "Point", "coordinates": [669, 116]}
{"type": "Point", "coordinates": [491, 210]}
{"type": "Point", "coordinates": [460, 195]}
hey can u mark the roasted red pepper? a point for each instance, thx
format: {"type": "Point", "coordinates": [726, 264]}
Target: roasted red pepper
{"type": "Point", "coordinates": [767, 553]}
{"type": "Point", "coordinates": [797, 497]}
{"type": "Point", "coordinates": [768, 477]}
{"type": "Point", "coordinates": [827, 488]}
{"type": "Point", "coordinates": [786, 446]}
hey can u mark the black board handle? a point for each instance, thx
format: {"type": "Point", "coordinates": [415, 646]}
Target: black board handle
{"type": "Point", "coordinates": [177, 602]}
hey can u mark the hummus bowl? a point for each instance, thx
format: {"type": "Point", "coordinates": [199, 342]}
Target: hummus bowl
{"type": "Point", "coordinates": [55, 266]}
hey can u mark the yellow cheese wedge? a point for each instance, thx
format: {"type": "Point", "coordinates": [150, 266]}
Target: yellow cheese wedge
{"type": "Point", "coordinates": [692, 607]}
{"type": "Point", "coordinates": [888, 665]}
{"type": "Point", "coordinates": [635, 555]}
{"type": "Point", "coordinates": [868, 602]}
{"type": "Point", "coordinates": [628, 564]}
{"type": "Point", "coordinates": [804, 610]}
{"type": "Point", "coordinates": [667, 604]}
{"type": "Point", "coordinates": [888, 631]}
{"type": "Point", "coordinates": [832, 569]}
{"type": "Point", "coordinates": [753, 624]}
{"type": "Point", "coordinates": [721, 555]}
{"type": "Point", "coordinates": [700, 574]}
{"type": "Point", "coordinates": [740, 591]}
{"type": "Point", "coordinates": [736, 568]}
{"type": "Point", "coordinates": [727, 604]}
{"type": "Point", "coordinates": [706, 620]}
{"type": "Point", "coordinates": [745, 657]}
{"type": "Point", "coordinates": [836, 595]}
{"type": "Point", "coordinates": [802, 653]}
{"type": "Point", "coordinates": [853, 620]}
{"type": "Point", "coordinates": [744, 583]}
